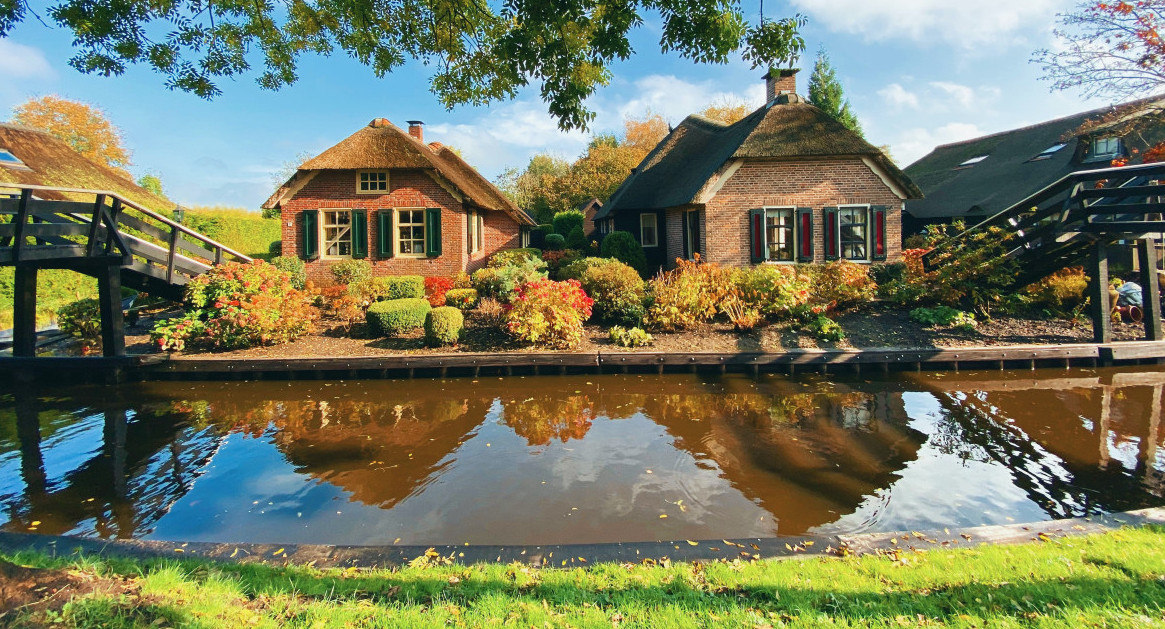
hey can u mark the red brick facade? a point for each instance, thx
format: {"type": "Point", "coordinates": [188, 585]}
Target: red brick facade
{"type": "Point", "coordinates": [816, 184]}
{"type": "Point", "coordinates": [407, 188]}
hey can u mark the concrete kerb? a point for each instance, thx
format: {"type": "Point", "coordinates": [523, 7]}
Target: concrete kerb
{"type": "Point", "coordinates": [579, 555]}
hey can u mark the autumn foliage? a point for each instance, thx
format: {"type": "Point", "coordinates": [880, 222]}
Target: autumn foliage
{"type": "Point", "coordinates": [83, 127]}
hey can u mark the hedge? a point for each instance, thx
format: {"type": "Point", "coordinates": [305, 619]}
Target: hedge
{"type": "Point", "coordinates": [443, 326]}
{"type": "Point", "coordinates": [389, 318]}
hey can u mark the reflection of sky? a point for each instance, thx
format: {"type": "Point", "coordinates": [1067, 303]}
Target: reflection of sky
{"type": "Point", "coordinates": [972, 493]}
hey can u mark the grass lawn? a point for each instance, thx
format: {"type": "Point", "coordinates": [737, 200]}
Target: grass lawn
{"type": "Point", "coordinates": [1115, 579]}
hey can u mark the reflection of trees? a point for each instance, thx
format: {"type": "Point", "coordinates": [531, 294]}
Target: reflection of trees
{"type": "Point", "coordinates": [541, 420]}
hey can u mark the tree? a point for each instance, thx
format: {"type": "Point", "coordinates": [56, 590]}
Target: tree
{"type": "Point", "coordinates": [642, 134]}
{"type": "Point", "coordinates": [153, 183]}
{"type": "Point", "coordinates": [81, 126]}
{"type": "Point", "coordinates": [825, 92]}
{"type": "Point", "coordinates": [481, 52]}
{"type": "Point", "coordinates": [727, 110]}
{"type": "Point", "coordinates": [1110, 49]}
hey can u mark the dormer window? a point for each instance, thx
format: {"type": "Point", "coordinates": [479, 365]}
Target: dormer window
{"type": "Point", "coordinates": [1048, 152]}
{"type": "Point", "coordinates": [972, 161]}
{"type": "Point", "coordinates": [1105, 148]}
{"type": "Point", "coordinates": [10, 160]}
{"type": "Point", "coordinates": [372, 181]}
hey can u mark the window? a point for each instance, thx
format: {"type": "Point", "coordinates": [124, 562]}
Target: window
{"type": "Point", "coordinates": [1105, 148]}
{"type": "Point", "coordinates": [1047, 153]}
{"type": "Point", "coordinates": [691, 234]}
{"type": "Point", "coordinates": [475, 236]}
{"type": "Point", "coordinates": [372, 181]}
{"type": "Point", "coordinates": [410, 231]}
{"type": "Point", "coordinates": [10, 160]}
{"type": "Point", "coordinates": [337, 228]}
{"type": "Point", "coordinates": [780, 229]}
{"type": "Point", "coordinates": [854, 232]}
{"type": "Point", "coordinates": [972, 161]}
{"type": "Point", "coordinates": [648, 232]}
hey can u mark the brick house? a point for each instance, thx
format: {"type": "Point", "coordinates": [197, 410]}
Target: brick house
{"type": "Point", "coordinates": [785, 184]}
{"type": "Point", "coordinates": [407, 207]}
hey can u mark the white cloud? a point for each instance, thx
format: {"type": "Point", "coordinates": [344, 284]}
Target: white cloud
{"type": "Point", "coordinates": [916, 142]}
{"type": "Point", "coordinates": [675, 99]}
{"type": "Point", "coordinates": [961, 94]}
{"type": "Point", "coordinates": [899, 97]}
{"type": "Point", "coordinates": [18, 61]}
{"type": "Point", "coordinates": [963, 24]}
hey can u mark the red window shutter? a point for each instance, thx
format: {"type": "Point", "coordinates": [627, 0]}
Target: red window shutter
{"type": "Point", "coordinates": [756, 225]}
{"type": "Point", "coordinates": [879, 223]}
{"type": "Point", "coordinates": [804, 234]}
{"type": "Point", "coordinates": [831, 235]}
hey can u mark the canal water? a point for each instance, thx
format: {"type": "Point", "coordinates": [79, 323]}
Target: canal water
{"type": "Point", "coordinates": [566, 459]}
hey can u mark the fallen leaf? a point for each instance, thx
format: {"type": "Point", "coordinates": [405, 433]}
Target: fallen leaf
{"type": "Point", "coordinates": [662, 516]}
{"type": "Point", "coordinates": [691, 543]}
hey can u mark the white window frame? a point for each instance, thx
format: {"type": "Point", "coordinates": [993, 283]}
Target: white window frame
{"type": "Point", "coordinates": [368, 185]}
{"type": "Point", "coordinates": [325, 224]}
{"type": "Point", "coordinates": [792, 210]}
{"type": "Point", "coordinates": [655, 227]}
{"type": "Point", "coordinates": [475, 231]}
{"type": "Point", "coordinates": [868, 224]}
{"type": "Point", "coordinates": [398, 224]}
{"type": "Point", "coordinates": [1114, 147]}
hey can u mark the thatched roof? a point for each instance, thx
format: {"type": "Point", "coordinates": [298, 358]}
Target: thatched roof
{"type": "Point", "coordinates": [1009, 173]}
{"type": "Point", "coordinates": [384, 146]}
{"type": "Point", "coordinates": [681, 165]}
{"type": "Point", "coordinates": [49, 161]}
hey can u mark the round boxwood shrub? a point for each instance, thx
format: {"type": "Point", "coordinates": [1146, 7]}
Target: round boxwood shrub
{"type": "Point", "coordinates": [443, 326]}
{"type": "Point", "coordinates": [576, 239]}
{"type": "Point", "coordinates": [352, 271]}
{"type": "Point", "coordinates": [623, 247]}
{"type": "Point", "coordinates": [403, 286]}
{"type": "Point", "coordinates": [294, 267]}
{"type": "Point", "coordinates": [555, 242]}
{"type": "Point", "coordinates": [618, 292]}
{"type": "Point", "coordinates": [389, 318]}
{"type": "Point", "coordinates": [461, 298]}
{"type": "Point", "coordinates": [565, 222]}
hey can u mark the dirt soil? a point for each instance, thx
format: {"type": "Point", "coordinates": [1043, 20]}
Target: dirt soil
{"type": "Point", "coordinates": [872, 325]}
{"type": "Point", "coordinates": [35, 592]}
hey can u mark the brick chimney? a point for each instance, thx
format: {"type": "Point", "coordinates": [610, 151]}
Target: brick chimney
{"type": "Point", "coordinates": [417, 130]}
{"type": "Point", "coordinates": [779, 82]}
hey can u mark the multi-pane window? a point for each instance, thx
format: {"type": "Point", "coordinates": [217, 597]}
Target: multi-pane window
{"type": "Point", "coordinates": [337, 228]}
{"type": "Point", "coordinates": [475, 222]}
{"type": "Point", "coordinates": [648, 230]}
{"type": "Point", "coordinates": [1105, 147]}
{"type": "Point", "coordinates": [410, 231]}
{"type": "Point", "coordinates": [371, 181]}
{"type": "Point", "coordinates": [854, 232]}
{"type": "Point", "coordinates": [780, 234]}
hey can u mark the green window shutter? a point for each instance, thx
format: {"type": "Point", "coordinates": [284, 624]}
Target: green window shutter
{"type": "Point", "coordinates": [309, 222]}
{"type": "Point", "coordinates": [359, 234]}
{"type": "Point", "coordinates": [804, 229]}
{"type": "Point", "coordinates": [433, 232]}
{"type": "Point", "coordinates": [756, 235]}
{"type": "Point", "coordinates": [832, 247]}
{"type": "Point", "coordinates": [384, 233]}
{"type": "Point", "coordinates": [878, 224]}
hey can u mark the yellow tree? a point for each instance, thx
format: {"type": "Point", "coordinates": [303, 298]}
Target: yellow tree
{"type": "Point", "coordinates": [727, 111]}
{"type": "Point", "coordinates": [644, 133]}
{"type": "Point", "coordinates": [81, 126]}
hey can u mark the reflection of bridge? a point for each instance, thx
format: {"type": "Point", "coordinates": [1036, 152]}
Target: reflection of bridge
{"type": "Point", "coordinates": [110, 238]}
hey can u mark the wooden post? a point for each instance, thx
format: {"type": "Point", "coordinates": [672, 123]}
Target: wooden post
{"type": "Point", "coordinates": [1150, 289]}
{"type": "Point", "coordinates": [114, 448]}
{"type": "Point", "coordinates": [28, 432]}
{"type": "Point", "coordinates": [24, 312]}
{"type": "Point", "coordinates": [1098, 294]}
{"type": "Point", "coordinates": [112, 319]}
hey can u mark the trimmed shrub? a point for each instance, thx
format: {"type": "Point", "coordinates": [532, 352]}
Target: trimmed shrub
{"type": "Point", "coordinates": [238, 228]}
{"type": "Point", "coordinates": [443, 326]}
{"type": "Point", "coordinates": [403, 286]}
{"type": "Point", "coordinates": [82, 319]}
{"type": "Point", "coordinates": [395, 316]}
{"type": "Point", "coordinates": [435, 289]}
{"type": "Point", "coordinates": [352, 271]}
{"type": "Point", "coordinates": [551, 313]}
{"type": "Point", "coordinates": [623, 247]}
{"type": "Point", "coordinates": [576, 239]}
{"type": "Point", "coordinates": [236, 305]}
{"type": "Point", "coordinates": [501, 282]}
{"type": "Point", "coordinates": [275, 250]}
{"type": "Point", "coordinates": [773, 290]}
{"type": "Point", "coordinates": [294, 267]}
{"type": "Point", "coordinates": [555, 242]}
{"type": "Point", "coordinates": [506, 257]}
{"type": "Point", "coordinates": [842, 283]}
{"type": "Point", "coordinates": [461, 298]}
{"type": "Point", "coordinates": [634, 337]}
{"type": "Point", "coordinates": [617, 290]}
{"type": "Point", "coordinates": [565, 222]}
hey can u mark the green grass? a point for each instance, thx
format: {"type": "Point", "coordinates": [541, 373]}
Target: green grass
{"type": "Point", "coordinates": [240, 229]}
{"type": "Point", "coordinates": [1116, 579]}
{"type": "Point", "coordinates": [54, 288]}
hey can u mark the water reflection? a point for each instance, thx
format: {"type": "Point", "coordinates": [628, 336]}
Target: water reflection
{"type": "Point", "coordinates": [575, 459]}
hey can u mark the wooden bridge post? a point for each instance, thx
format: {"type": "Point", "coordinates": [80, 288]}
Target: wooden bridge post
{"type": "Point", "coordinates": [28, 432]}
{"type": "Point", "coordinates": [112, 319]}
{"type": "Point", "coordinates": [1101, 309]}
{"type": "Point", "coordinates": [1150, 289]}
{"type": "Point", "coordinates": [24, 312]}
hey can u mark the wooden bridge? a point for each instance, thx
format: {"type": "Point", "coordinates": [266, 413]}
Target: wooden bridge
{"type": "Point", "coordinates": [108, 237]}
{"type": "Point", "coordinates": [1074, 221]}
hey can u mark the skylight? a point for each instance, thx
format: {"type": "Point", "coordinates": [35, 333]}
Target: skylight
{"type": "Point", "coordinates": [8, 159]}
{"type": "Point", "coordinates": [1046, 153]}
{"type": "Point", "coordinates": [974, 160]}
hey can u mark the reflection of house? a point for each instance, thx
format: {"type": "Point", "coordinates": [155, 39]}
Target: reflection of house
{"type": "Point", "coordinates": [385, 196]}
{"type": "Point", "coordinates": [785, 184]}
{"type": "Point", "coordinates": [977, 178]}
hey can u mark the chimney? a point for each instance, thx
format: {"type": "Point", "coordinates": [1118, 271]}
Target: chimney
{"type": "Point", "coordinates": [417, 130]}
{"type": "Point", "coordinates": [779, 82]}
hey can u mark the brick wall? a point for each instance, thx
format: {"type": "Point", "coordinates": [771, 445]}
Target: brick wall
{"type": "Point", "coordinates": [805, 183]}
{"type": "Point", "coordinates": [337, 189]}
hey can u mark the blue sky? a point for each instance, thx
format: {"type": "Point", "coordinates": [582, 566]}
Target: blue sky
{"type": "Point", "coordinates": [918, 73]}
